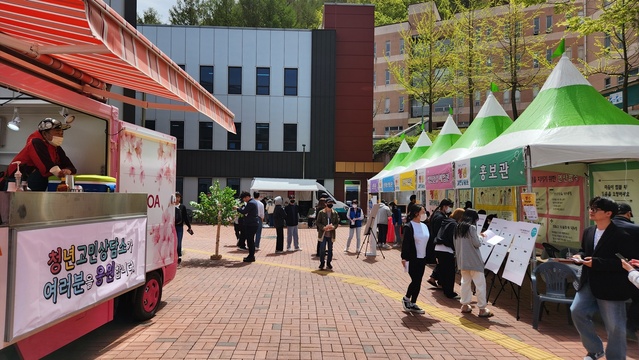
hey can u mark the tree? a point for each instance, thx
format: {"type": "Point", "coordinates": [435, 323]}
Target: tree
{"type": "Point", "coordinates": [222, 13]}
{"type": "Point", "coordinates": [266, 13]}
{"type": "Point", "coordinates": [187, 12]}
{"type": "Point", "coordinates": [470, 67]}
{"type": "Point", "coordinates": [149, 16]}
{"type": "Point", "coordinates": [424, 73]}
{"type": "Point", "coordinates": [617, 24]}
{"type": "Point", "coordinates": [307, 13]}
{"type": "Point", "coordinates": [216, 208]}
{"type": "Point", "coordinates": [522, 56]}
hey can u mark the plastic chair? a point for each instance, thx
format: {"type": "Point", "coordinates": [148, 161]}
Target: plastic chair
{"type": "Point", "coordinates": [552, 251]}
{"type": "Point", "coordinates": [557, 276]}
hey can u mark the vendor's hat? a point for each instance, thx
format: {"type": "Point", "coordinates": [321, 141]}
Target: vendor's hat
{"type": "Point", "coordinates": [51, 123]}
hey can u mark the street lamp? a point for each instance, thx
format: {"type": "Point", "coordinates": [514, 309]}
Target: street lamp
{"type": "Point", "coordinates": [303, 160]}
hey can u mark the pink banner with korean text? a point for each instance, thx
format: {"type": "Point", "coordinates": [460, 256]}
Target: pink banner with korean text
{"type": "Point", "coordinates": [440, 177]}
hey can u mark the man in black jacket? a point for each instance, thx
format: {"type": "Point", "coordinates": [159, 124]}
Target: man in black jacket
{"type": "Point", "coordinates": [604, 285]}
{"type": "Point", "coordinates": [292, 220]}
{"type": "Point", "coordinates": [623, 221]}
{"type": "Point", "coordinates": [249, 223]}
{"type": "Point", "coordinates": [435, 223]}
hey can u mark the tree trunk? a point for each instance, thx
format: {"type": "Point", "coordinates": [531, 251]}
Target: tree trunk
{"type": "Point", "coordinates": [217, 255]}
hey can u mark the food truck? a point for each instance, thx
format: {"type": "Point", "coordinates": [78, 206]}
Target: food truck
{"type": "Point", "coordinates": [69, 260]}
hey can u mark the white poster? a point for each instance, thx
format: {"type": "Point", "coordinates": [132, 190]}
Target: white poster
{"type": "Point", "coordinates": [488, 241]}
{"type": "Point", "coordinates": [505, 229]}
{"type": "Point", "coordinates": [68, 268]}
{"type": "Point", "coordinates": [4, 271]}
{"type": "Point", "coordinates": [522, 250]}
{"type": "Point", "coordinates": [421, 179]}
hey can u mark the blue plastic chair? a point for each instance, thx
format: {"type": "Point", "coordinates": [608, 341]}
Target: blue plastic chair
{"type": "Point", "coordinates": [557, 277]}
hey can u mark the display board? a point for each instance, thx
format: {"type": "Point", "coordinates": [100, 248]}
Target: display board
{"type": "Point", "coordinates": [372, 219]}
{"type": "Point", "coordinates": [497, 200]}
{"type": "Point", "coordinates": [506, 230]}
{"type": "Point", "coordinates": [521, 251]}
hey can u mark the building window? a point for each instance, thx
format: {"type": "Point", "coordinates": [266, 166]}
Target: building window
{"type": "Point", "coordinates": [387, 77]}
{"type": "Point", "coordinates": [401, 46]}
{"type": "Point", "coordinates": [392, 129]}
{"type": "Point", "coordinates": [535, 63]}
{"type": "Point", "coordinates": [290, 137]}
{"type": "Point", "coordinates": [203, 185]}
{"type": "Point", "coordinates": [548, 23]}
{"type": "Point", "coordinates": [401, 104]}
{"type": "Point", "coordinates": [607, 82]}
{"type": "Point", "coordinates": [375, 50]}
{"type": "Point", "coordinates": [477, 97]}
{"type": "Point", "coordinates": [234, 141]}
{"type": "Point", "coordinates": [149, 124]}
{"type": "Point", "coordinates": [536, 24]}
{"type": "Point", "coordinates": [235, 80]}
{"type": "Point", "coordinates": [290, 82]}
{"type": "Point", "coordinates": [177, 130]}
{"type": "Point", "coordinates": [569, 53]}
{"type": "Point", "coordinates": [182, 66]}
{"type": "Point", "coordinates": [234, 183]}
{"type": "Point", "coordinates": [387, 50]}
{"type": "Point", "coordinates": [507, 96]}
{"type": "Point", "coordinates": [535, 91]}
{"type": "Point", "coordinates": [206, 78]}
{"type": "Point", "coordinates": [517, 96]}
{"type": "Point", "coordinates": [263, 81]}
{"type": "Point", "coordinates": [607, 41]}
{"type": "Point", "coordinates": [386, 106]}
{"type": "Point", "coordinates": [261, 136]}
{"type": "Point", "coordinates": [580, 52]}
{"type": "Point", "coordinates": [374, 78]}
{"type": "Point", "coordinates": [206, 135]}
{"type": "Point", "coordinates": [620, 80]}
{"type": "Point", "coordinates": [549, 55]}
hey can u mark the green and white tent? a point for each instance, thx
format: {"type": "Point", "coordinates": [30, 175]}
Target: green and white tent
{"type": "Point", "coordinates": [491, 121]}
{"type": "Point", "coordinates": [444, 141]}
{"type": "Point", "coordinates": [569, 121]}
{"type": "Point", "coordinates": [397, 159]}
{"type": "Point", "coordinates": [421, 146]}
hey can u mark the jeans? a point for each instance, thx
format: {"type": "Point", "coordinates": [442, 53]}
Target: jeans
{"type": "Point", "coordinates": [416, 270]}
{"type": "Point", "coordinates": [467, 278]}
{"type": "Point", "coordinates": [326, 242]}
{"type": "Point", "coordinates": [398, 238]}
{"type": "Point", "coordinates": [291, 234]}
{"type": "Point", "coordinates": [613, 314]}
{"type": "Point", "coordinates": [358, 232]}
{"type": "Point", "coordinates": [258, 234]}
{"type": "Point", "coordinates": [179, 230]}
{"type": "Point", "coordinates": [248, 233]}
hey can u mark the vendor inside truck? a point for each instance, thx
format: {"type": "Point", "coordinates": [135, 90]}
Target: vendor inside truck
{"type": "Point", "coordinates": [43, 156]}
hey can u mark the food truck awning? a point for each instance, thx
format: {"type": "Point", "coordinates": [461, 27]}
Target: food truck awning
{"type": "Point", "coordinates": [92, 44]}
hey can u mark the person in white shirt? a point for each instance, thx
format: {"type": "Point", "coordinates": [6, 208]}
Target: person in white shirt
{"type": "Point", "coordinates": [414, 255]}
{"type": "Point", "coordinates": [260, 219]}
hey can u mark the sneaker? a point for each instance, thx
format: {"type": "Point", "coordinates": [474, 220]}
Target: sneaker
{"type": "Point", "coordinates": [289, 249]}
{"type": "Point", "coordinates": [257, 249]}
{"type": "Point", "coordinates": [329, 267]}
{"type": "Point", "coordinates": [179, 260]}
{"type": "Point", "coordinates": [416, 309]}
{"type": "Point", "coordinates": [321, 267]}
{"type": "Point", "coordinates": [249, 259]}
{"type": "Point", "coordinates": [242, 248]}
{"type": "Point", "coordinates": [298, 249]}
{"type": "Point", "coordinates": [346, 250]}
{"type": "Point", "coordinates": [279, 251]}
{"type": "Point", "coordinates": [406, 304]}
{"type": "Point", "coordinates": [594, 356]}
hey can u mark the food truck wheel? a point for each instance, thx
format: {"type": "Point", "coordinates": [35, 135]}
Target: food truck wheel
{"type": "Point", "coordinates": [148, 297]}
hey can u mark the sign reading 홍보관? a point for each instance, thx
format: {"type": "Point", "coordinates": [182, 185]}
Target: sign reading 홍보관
{"type": "Point", "coordinates": [506, 168]}
{"type": "Point", "coordinates": [62, 270]}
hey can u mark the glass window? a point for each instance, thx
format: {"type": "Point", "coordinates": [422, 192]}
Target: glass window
{"type": "Point", "coordinates": [387, 77]}
{"type": "Point", "coordinates": [387, 50]}
{"type": "Point", "coordinates": [535, 91]}
{"type": "Point", "coordinates": [234, 141]}
{"type": "Point", "coordinates": [290, 137]}
{"type": "Point", "coordinates": [177, 130]}
{"type": "Point", "coordinates": [401, 104]}
{"type": "Point", "coordinates": [182, 66]}
{"type": "Point", "coordinates": [375, 49]}
{"type": "Point", "coordinates": [263, 81]}
{"type": "Point", "coordinates": [374, 78]}
{"type": "Point", "coordinates": [507, 96]}
{"type": "Point", "coordinates": [290, 82]}
{"type": "Point", "coordinates": [549, 55]}
{"type": "Point", "coordinates": [401, 46]}
{"type": "Point", "coordinates": [235, 80]}
{"type": "Point", "coordinates": [619, 79]}
{"type": "Point", "coordinates": [535, 64]}
{"type": "Point", "coordinates": [206, 135]}
{"type": "Point", "coordinates": [517, 95]}
{"type": "Point", "coordinates": [234, 183]}
{"type": "Point", "coordinates": [607, 41]}
{"type": "Point", "coordinates": [149, 124]}
{"type": "Point", "coordinates": [261, 136]}
{"type": "Point", "coordinates": [203, 185]}
{"type": "Point", "coordinates": [536, 24]}
{"type": "Point", "coordinates": [569, 53]}
{"type": "Point", "coordinates": [607, 82]}
{"type": "Point", "coordinates": [548, 23]}
{"type": "Point", "coordinates": [580, 52]}
{"type": "Point", "coordinates": [206, 78]}
{"type": "Point", "coordinates": [386, 106]}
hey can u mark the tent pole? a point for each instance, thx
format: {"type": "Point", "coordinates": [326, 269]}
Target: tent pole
{"type": "Point", "coordinates": [528, 163]}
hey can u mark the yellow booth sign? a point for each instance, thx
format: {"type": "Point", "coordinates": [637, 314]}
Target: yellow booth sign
{"type": "Point", "coordinates": [407, 181]}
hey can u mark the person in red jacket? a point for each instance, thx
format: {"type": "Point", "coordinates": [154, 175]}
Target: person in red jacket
{"type": "Point", "coordinates": [43, 155]}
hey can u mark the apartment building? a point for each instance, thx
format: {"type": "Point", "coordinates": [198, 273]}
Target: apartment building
{"type": "Point", "coordinates": [394, 111]}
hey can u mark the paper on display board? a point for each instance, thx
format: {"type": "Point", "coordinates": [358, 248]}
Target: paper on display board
{"type": "Point", "coordinates": [500, 250]}
{"type": "Point", "coordinates": [521, 251]}
{"type": "Point", "coordinates": [480, 223]}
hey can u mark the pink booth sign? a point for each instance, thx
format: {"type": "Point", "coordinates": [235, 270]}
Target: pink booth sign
{"type": "Point", "coordinates": [440, 177]}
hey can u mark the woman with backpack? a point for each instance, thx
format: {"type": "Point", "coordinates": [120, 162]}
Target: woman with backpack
{"type": "Point", "coordinates": [445, 253]}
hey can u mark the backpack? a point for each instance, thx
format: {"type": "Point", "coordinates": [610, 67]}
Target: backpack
{"type": "Point", "coordinates": [178, 216]}
{"type": "Point", "coordinates": [446, 233]}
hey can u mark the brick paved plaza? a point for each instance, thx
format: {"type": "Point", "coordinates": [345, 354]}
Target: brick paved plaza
{"type": "Point", "coordinates": [282, 307]}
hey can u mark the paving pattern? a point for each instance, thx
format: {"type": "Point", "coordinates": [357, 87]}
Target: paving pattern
{"type": "Point", "coordinates": [284, 307]}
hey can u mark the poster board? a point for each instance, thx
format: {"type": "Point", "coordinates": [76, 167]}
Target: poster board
{"type": "Point", "coordinates": [521, 251]}
{"type": "Point", "coordinates": [504, 229]}
{"type": "Point", "coordinates": [372, 217]}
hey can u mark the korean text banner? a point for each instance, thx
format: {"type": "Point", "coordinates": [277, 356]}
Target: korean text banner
{"type": "Point", "coordinates": [440, 177]}
{"type": "Point", "coordinates": [374, 186]}
{"type": "Point", "coordinates": [388, 184]}
{"type": "Point", "coordinates": [462, 174]}
{"type": "Point", "coordinates": [407, 181]}
{"type": "Point", "coordinates": [421, 179]}
{"type": "Point", "coordinates": [68, 268]}
{"type": "Point", "coordinates": [504, 168]}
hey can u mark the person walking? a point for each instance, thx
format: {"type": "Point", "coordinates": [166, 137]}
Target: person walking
{"type": "Point", "coordinates": [623, 220]}
{"type": "Point", "coordinates": [260, 219]}
{"type": "Point", "coordinates": [327, 222]}
{"type": "Point", "coordinates": [603, 285]}
{"type": "Point", "coordinates": [249, 223]}
{"type": "Point", "coordinates": [292, 221]}
{"type": "Point", "coordinates": [435, 222]}
{"type": "Point", "coordinates": [445, 253]}
{"type": "Point", "coordinates": [355, 215]}
{"type": "Point", "coordinates": [470, 263]}
{"type": "Point", "coordinates": [321, 204]}
{"type": "Point", "coordinates": [279, 220]}
{"type": "Point", "coordinates": [383, 214]}
{"type": "Point", "coordinates": [181, 218]}
{"type": "Point", "coordinates": [413, 255]}
{"type": "Point", "coordinates": [397, 224]}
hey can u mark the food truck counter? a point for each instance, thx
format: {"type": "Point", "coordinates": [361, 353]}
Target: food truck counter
{"type": "Point", "coordinates": [61, 253]}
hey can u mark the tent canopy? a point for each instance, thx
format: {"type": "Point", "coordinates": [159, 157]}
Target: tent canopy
{"type": "Point", "coordinates": [274, 184]}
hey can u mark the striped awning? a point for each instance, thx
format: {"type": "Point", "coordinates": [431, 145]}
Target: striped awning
{"type": "Point", "coordinates": [92, 43]}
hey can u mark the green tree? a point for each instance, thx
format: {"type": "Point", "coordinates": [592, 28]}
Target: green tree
{"type": "Point", "coordinates": [216, 208]}
{"type": "Point", "coordinates": [222, 13]}
{"type": "Point", "coordinates": [424, 72]}
{"type": "Point", "coordinates": [266, 13]}
{"type": "Point", "coordinates": [149, 16]}
{"type": "Point", "coordinates": [307, 13]}
{"type": "Point", "coordinates": [523, 57]}
{"type": "Point", "coordinates": [187, 12]}
{"type": "Point", "coordinates": [616, 24]}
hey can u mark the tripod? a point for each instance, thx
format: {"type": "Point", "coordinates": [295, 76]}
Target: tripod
{"type": "Point", "coordinates": [367, 236]}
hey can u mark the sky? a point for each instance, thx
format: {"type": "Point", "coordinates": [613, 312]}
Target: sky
{"type": "Point", "coordinates": [162, 6]}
